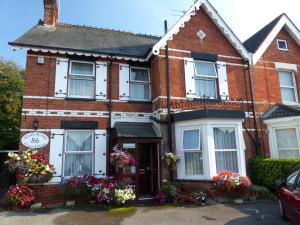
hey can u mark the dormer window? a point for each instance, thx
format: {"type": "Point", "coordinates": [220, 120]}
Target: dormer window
{"type": "Point", "coordinates": [282, 45]}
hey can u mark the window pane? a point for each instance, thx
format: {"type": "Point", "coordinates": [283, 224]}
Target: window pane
{"type": "Point", "coordinates": [224, 138]}
{"type": "Point", "coordinates": [286, 138]}
{"type": "Point", "coordinates": [286, 78]}
{"type": "Point", "coordinates": [282, 44]}
{"type": "Point", "coordinates": [79, 141]}
{"type": "Point", "coordinates": [139, 91]}
{"type": "Point", "coordinates": [205, 87]}
{"type": "Point", "coordinates": [83, 88]}
{"type": "Point", "coordinates": [290, 180]}
{"type": "Point", "coordinates": [139, 75]}
{"type": "Point", "coordinates": [288, 94]}
{"type": "Point", "coordinates": [288, 153]}
{"type": "Point", "coordinates": [191, 139]}
{"type": "Point", "coordinates": [78, 164]}
{"type": "Point", "coordinates": [205, 69]}
{"type": "Point", "coordinates": [82, 69]}
{"type": "Point", "coordinates": [193, 163]}
{"type": "Point", "coordinates": [227, 161]}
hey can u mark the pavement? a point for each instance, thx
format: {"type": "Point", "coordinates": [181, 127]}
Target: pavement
{"type": "Point", "coordinates": [264, 213]}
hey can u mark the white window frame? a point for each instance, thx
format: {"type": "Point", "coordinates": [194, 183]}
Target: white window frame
{"type": "Point", "coordinates": [286, 44]}
{"type": "Point", "coordinates": [204, 77]}
{"type": "Point", "coordinates": [192, 150]}
{"type": "Point", "coordinates": [65, 152]}
{"type": "Point", "coordinates": [140, 82]}
{"type": "Point", "coordinates": [208, 150]}
{"type": "Point", "coordinates": [228, 150]}
{"type": "Point", "coordinates": [70, 75]}
{"type": "Point", "coordinates": [294, 87]}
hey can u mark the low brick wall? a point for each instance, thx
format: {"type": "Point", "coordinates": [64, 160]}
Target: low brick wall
{"type": "Point", "coordinates": [50, 195]}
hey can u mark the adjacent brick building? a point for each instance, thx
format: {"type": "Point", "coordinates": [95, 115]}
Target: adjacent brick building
{"type": "Point", "coordinates": [197, 91]}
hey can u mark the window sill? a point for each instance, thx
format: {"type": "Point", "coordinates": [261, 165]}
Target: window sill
{"type": "Point", "coordinates": [80, 99]}
{"type": "Point", "coordinates": [140, 101]}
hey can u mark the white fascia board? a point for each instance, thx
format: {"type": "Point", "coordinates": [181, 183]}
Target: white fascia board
{"type": "Point", "coordinates": [284, 120]}
{"type": "Point", "coordinates": [223, 27]}
{"type": "Point", "coordinates": [283, 22]}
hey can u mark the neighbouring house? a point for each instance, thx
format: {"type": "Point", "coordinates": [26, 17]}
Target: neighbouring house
{"type": "Point", "coordinates": [197, 91]}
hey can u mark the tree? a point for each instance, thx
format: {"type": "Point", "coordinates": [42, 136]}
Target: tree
{"type": "Point", "coordinates": [11, 91]}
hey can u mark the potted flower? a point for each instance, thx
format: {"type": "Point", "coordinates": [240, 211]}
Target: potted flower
{"type": "Point", "coordinates": [18, 197]}
{"type": "Point", "coordinates": [122, 158]}
{"type": "Point", "coordinates": [170, 158]}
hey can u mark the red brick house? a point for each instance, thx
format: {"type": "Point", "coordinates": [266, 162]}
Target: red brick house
{"type": "Point", "coordinates": [197, 90]}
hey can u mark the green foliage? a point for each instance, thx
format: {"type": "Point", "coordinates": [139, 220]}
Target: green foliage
{"type": "Point", "coordinates": [11, 90]}
{"type": "Point", "coordinates": [266, 171]}
{"type": "Point", "coordinates": [261, 192]}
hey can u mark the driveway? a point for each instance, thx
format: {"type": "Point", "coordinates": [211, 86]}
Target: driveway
{"type": "Point", "coordinates": [247, 214]}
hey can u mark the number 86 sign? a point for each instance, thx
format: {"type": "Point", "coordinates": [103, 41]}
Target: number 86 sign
{"type": "Point", "coordinates": [35, 140]}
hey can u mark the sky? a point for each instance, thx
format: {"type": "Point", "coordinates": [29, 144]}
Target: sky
{"type": "Point", "coordinates": [245, 17]}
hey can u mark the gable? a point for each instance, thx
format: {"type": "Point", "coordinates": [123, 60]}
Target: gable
{"type": "Point", "coordinates": [214, 16]}
{"type": "Point", "coordinates": [215, 42]}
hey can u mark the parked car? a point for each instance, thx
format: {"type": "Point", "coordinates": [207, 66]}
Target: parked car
{"type": "Point", "coordinates": [289, 197]}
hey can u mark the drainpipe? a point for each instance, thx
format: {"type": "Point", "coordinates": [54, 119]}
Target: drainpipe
{"type": "Point", "coordinates": [168, 99]}
{"type": "Point", "coordinates": [109, 111]}
{"type": "Point", "coordinates": [257, 140]}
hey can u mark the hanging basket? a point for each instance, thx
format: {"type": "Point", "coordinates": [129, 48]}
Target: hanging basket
{"type": "Point", "coordinates": [168, 161]}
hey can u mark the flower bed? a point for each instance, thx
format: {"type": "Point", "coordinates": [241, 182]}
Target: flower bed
{"type": "Point", "coordinates": [108, 191]}
{"type": "Point", "coordinates": [19, 196]}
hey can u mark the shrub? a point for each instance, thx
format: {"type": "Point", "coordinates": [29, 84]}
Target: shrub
{"type": "Point", "coordinates": [260, 192]}
{"type": "Point", "coordinates": [19, 196]}
{"type": "Point", "coordinates": [266, 171]}
{"type": "Point", "coordinates": [30, 166]}
{"type": "Point", "coordinates": [168, 193]}
{"type": "Point", "coordinates": [231, 184]}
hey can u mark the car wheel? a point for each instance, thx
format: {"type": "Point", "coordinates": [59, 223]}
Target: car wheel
{"type": "Point", "coordinates": [281, 210]}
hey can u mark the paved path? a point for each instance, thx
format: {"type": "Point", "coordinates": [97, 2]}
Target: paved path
{"type": "Point", "coordinates": [247, 214]}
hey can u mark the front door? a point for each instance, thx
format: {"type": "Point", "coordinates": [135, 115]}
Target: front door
{"type": "Point", "coordinates": [147, 170]}
{"type": "Point", "coordinates": [6, 178]}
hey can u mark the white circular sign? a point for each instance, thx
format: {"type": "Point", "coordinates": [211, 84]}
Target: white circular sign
{"type": "Point", "coordinates": [35, 140]}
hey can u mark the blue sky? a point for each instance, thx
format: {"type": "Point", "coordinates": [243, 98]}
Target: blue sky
{"type": "Point", "coordinates": [141, 16]}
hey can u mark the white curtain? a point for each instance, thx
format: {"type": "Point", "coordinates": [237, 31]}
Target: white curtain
{"type": "Point", "coordinates": [205, 87]}
{"type": "Point", "coordinates": [193, 163]}
{"type": "Point", "coordinates": [205, 69]}
{"type": "Point", "coordinates": [191, 139]}
{"type": "Point", "coordinates": [139, 75]}
{"type": "Point", "coordinates": [224, 139]}
{"type": "Point", "coordinates": [81, 87]}
{"type": "Point", "coordinates": [78, 153]}
{"type": "Point", "coordinates": [139, 91]}
{"type": "Point", "coordinates": [82, 69]}
{"type": "Point", "coordinates": [287, 143]}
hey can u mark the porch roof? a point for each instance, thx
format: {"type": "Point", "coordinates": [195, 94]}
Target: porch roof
{"type": "Point", "coordinates": [135, 130]}
{"type": "Point", "coordinates": [281, 110]}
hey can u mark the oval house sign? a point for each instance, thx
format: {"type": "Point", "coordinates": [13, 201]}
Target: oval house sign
{"type": "Point", "coordinates": [35, 140]}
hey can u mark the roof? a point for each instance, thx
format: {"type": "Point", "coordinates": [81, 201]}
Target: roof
{"type": "Point", "coordinates": [281, 110]}
{"type": "Point", "coordinates": [217, 19]}
{"type": "Point", "coordinates": [259, 42]}
{"type": "Point", "coordinates": [253, 43]}
{"type": "Point", "coordinates": [135, 130]}
{"type": "Point", "coordinates": [87, 39]}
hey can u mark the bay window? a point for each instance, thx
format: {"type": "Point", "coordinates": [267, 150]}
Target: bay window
{"type": "Point", "coordinates": [81, 80]}
{"type": "Point", "coordinates": [139, 87]}
{"type": "Point", "coordinates": [205, 79]}
{"type": "Point", "coordinates": [288, 86]}
{"type": "Point", "coordinates": [78, 155]}
{"type": "Point", "coordinates": [287, 143]}
{"type": "Point", "coordinates": [225, 149]}
{"type": "Point", "coordinates": [192, 152]}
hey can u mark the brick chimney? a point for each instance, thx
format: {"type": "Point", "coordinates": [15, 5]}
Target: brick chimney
{"type": "Point", "coordinates": [50, 12]}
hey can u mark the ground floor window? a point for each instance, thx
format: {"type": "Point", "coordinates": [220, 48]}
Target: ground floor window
{"type": "Point", "coordinates": [287, 143]}
{"type": "Point", "coordinates": [78, 153]}
{"type": "Point", "coordinates": [206, 149]}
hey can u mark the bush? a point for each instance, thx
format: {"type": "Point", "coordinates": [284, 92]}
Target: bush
{"type": "Point", "coordinates": [260, 192]}
{"type": "Point", "coordinates": [266, 171]}
{"type": "Point", "coordinates": [19, 196]}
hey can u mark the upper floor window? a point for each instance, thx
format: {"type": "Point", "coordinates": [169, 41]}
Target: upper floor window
{"type": "Point", "coordinates": [205, 79]}
{"type": "Point", "coordinates": [139, 88]}
{"type": "Point", "coordinates": [282, 45]}
{"type": "Point", "coordinates": [288, 86]}
{"type": "Point", "coordinates": [81, 80]}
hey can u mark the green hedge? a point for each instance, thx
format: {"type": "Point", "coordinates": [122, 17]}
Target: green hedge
{"type": "Point", "coordinates": [266, 171]}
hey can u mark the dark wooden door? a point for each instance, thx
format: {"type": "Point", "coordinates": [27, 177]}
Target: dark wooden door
{"type": "Point", "coordinates": [148, 169]}
{"type": "Point", "coordinates": [6, 178]}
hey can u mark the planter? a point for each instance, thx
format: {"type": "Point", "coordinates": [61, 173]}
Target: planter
{"type": "Point", "coordinates": [168, 161]}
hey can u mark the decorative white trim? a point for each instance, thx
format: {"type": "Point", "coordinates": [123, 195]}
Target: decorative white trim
{"type": "Point", "coordinates": [214, 16]}
{"type": "Point", "coordinates": [81, 113]}
{"type": "Point", "coordinates": [286, 66]}
{"type": "Point", "coordinates": [55, 51]}
{"type": "Point", "coordinates": [283, 22]}
{"type": "Point", "coordinates": [33, 130]}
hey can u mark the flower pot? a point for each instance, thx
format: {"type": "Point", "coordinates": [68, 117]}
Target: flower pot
{"type": "Point", "coordinates": [168, 161]}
